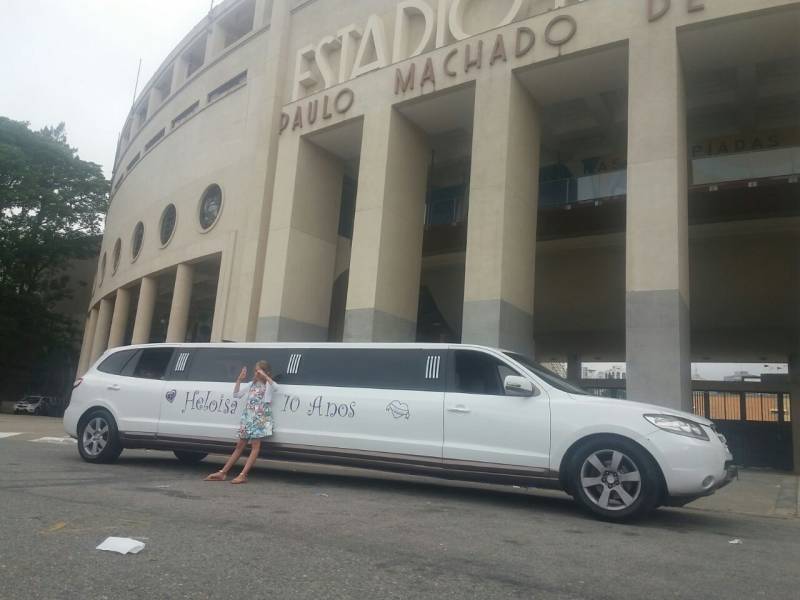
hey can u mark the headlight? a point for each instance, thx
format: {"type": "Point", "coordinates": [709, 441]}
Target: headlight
{"type": "Point", "coordinates": [678, 425]}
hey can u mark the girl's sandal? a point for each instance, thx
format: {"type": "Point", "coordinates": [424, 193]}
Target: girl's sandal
{"type": "Point", "coordinates": [239, 479]}
{"type": "Point", "coordinates": [218, 476]}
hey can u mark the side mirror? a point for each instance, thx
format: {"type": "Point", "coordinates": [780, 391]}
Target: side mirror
{"type": "Point", "coordinates": [518, 386]}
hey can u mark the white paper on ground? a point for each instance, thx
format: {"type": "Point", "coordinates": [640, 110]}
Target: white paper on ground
{"type": "Point", "coordinates": [121, 545]}
{"type": "Point", "coordinates": [8, 434]}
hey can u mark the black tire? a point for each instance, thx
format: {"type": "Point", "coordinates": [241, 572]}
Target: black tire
{"type": "Point", "coordinates": [625, 491]}
{"type": "Point", "coordinates": [98, 437]}
{"type": "Point", "coordinates": [189, 458]}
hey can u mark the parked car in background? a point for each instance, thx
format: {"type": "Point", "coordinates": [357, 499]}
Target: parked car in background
{"type": "Point", "coordinates": [33, 405]}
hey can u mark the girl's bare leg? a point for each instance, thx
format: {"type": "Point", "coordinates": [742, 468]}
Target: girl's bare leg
{"type": "Point", "coordinates": [222, 474]}
{"type": "Point", "coordinates": [255, 446]}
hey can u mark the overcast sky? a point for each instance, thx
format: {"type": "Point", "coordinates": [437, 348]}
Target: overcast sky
{"type": "Point", "coordinates": [75, 61]}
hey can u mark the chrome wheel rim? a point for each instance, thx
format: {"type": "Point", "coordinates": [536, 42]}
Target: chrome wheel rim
{"type": "Point", "coordinates": [95, 436]}
{"type": "Point", "coordinates": [611, 479]}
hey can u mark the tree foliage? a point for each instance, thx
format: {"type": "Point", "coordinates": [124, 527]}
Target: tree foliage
{"type": "Point", "coordinates": [52, 205]}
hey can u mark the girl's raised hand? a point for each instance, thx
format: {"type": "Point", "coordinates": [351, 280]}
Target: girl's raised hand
{"type": "Point", "coordinates": [242, 374]}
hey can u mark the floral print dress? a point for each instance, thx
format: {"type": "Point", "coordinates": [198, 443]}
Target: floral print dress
{"type": "Point", "coordinates": [256, 421]}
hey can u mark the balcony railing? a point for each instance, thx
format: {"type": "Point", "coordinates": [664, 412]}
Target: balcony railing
{"type": "Point", "coordinates": [747, 166]}
{"type": "Point", "coordinates": [562, 192]}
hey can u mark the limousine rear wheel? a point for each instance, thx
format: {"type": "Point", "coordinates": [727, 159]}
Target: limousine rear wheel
{"type": "Point", "coordinates": [615, 479]}
{"type": "Point", "coordinates": [189, 458]}
{"type": "Point", "coordinates": [98, 438]}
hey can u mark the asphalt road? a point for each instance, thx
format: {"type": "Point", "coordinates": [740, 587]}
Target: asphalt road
{"type": "Point", "coordinates": [313, 532]}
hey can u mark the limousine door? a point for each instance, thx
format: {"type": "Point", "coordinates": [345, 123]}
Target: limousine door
{"type": "Point", "coordinates": [198, 402]}
{"type": "Point", "coordinates": [137, 392]}
{"type": "Point", "coordinates": [484, 425]}
{"type": "Point", "coordinates": [372, 403]}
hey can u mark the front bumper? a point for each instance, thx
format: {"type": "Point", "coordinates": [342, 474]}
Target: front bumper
{"type": "Point", "coordinates": [691, 467]}
{"type": "Point", "coordinates": [731, 473]}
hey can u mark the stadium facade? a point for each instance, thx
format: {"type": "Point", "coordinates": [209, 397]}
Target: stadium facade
{"type": "Point", "coordinates": [593, 180]}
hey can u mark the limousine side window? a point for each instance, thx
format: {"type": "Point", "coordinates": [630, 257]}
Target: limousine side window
{"type": "Point", "coordinates": [379, 368]}
{"type": "Point", "coordinates": [224, 364]}
{"type": "Point", "coordinates": [152, 363]}
{"type": "Point", "coordinates": [479, 373]}
{"type": "Point", "coordinates": [114, 364]}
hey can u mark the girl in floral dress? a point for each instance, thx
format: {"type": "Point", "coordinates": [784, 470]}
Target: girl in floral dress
{"type": "Point", "coordinates": [255, 424]}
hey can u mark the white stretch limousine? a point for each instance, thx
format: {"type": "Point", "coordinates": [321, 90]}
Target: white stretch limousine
{"type": "Point", "coordinates": [454, 411]}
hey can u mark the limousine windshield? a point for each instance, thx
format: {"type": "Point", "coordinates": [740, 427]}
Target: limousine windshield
{"type": "Point", "coordinates": [543, 373]}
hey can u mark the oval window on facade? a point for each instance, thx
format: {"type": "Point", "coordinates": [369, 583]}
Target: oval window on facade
{"type": "Point", "coordinates": [136, 241]}
{"type": "Point", "coordinates": [102, 268]}
{"type": "Point", "coordinates": [167, 228]}
{"type": "Point", "coordinates": [210, 206]}
{"type": "Point", "coordinates": [116, 255]}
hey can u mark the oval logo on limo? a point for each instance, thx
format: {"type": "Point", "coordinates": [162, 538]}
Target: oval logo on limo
{"type": "Point", "coordinates": [398, 410]}
{"type": "Point", "coordinates": [171, 396]}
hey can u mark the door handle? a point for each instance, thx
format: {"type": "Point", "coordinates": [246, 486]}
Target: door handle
{"type": "Point", "coordinates": [114, 387]}
{"type": "Point", "coordinates": [458, 409]}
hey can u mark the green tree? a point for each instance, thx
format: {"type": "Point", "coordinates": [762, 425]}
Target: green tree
{"type": "Point", "coordinates": [52, 206]}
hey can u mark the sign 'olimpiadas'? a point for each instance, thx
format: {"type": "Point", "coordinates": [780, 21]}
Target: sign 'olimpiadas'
{"type": "Point", "coordinates": [420, 27]}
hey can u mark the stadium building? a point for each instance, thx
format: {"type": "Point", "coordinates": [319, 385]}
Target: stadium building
{"type": "Point", "coordinates": [583, 180]}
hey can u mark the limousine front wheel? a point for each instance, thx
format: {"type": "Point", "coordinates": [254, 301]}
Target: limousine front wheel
{"type": "Point", "coordinates": [98, 439]}
{"type": "Point", "coordinates": [615, 480]}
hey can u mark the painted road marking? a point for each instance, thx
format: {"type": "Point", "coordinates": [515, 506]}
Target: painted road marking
{"type": "Point", "coordinates": [55, 440]}
{"type": "Point", "coordinates": [7, 434]}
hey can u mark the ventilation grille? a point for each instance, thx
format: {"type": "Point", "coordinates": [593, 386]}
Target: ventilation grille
{"type": "Point", "coordinates": [180, 364]}
{"type": "Point", "coordinates": [294, 364]}
{"type": "Point", "coordinates": [432, 367]}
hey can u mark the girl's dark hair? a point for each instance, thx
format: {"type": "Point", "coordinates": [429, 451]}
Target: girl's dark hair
{"type": "Point", "coordinates": [264, 366]}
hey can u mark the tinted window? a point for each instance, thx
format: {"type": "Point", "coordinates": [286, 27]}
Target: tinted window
{"type": "Point", "coordinates": [550, 377]}
{"type": "Point", "coordinates": [224, 364]}
{"type": "Point", "coordinates": [479, 373]}
{"type": "Point", "coordinates": [374, 368]}
{"type": "Point", "coordinates": [116, 362]}
{"type": "Point", "coordinates": [153, 363]}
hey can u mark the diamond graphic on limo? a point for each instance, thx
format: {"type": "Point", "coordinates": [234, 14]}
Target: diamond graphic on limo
{"type": "Point", "coordinates": [398, 409]}
{"type": "Point", "coordinates": [171, 396]}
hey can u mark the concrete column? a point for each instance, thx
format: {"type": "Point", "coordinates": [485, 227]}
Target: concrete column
{"type": "Point", "coordinates": [503, 203]}
{"type": "Point", "coordinates": [794, 379]}
{"type": "Point", "coordinates": [264, 124]}
{"type": "Point", "coordinates": [100, 341]}
{"type": "Point", "coordinates": [178, 73]}
{"type": "Point", "coordinates": [181, 301]}
{"type": "Point", "coordinates": [657, 294]}
{"type": "Point", "coordinates": [144, 310]}
{"type": "Point", "coordinates": [386, 255]}
{"type": "Point", "coordinates": [574, 373]}
{"type": "Point", "coordinates": [86, 345]}
{"type": "Point", "coordinates": [119, 320]}
{"type": "Point", "coordinates": [263, 14]}
{"type": "Point", "coordinates": [215, 42]}
{"type": "Point", "coordinates": [301, 245]}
